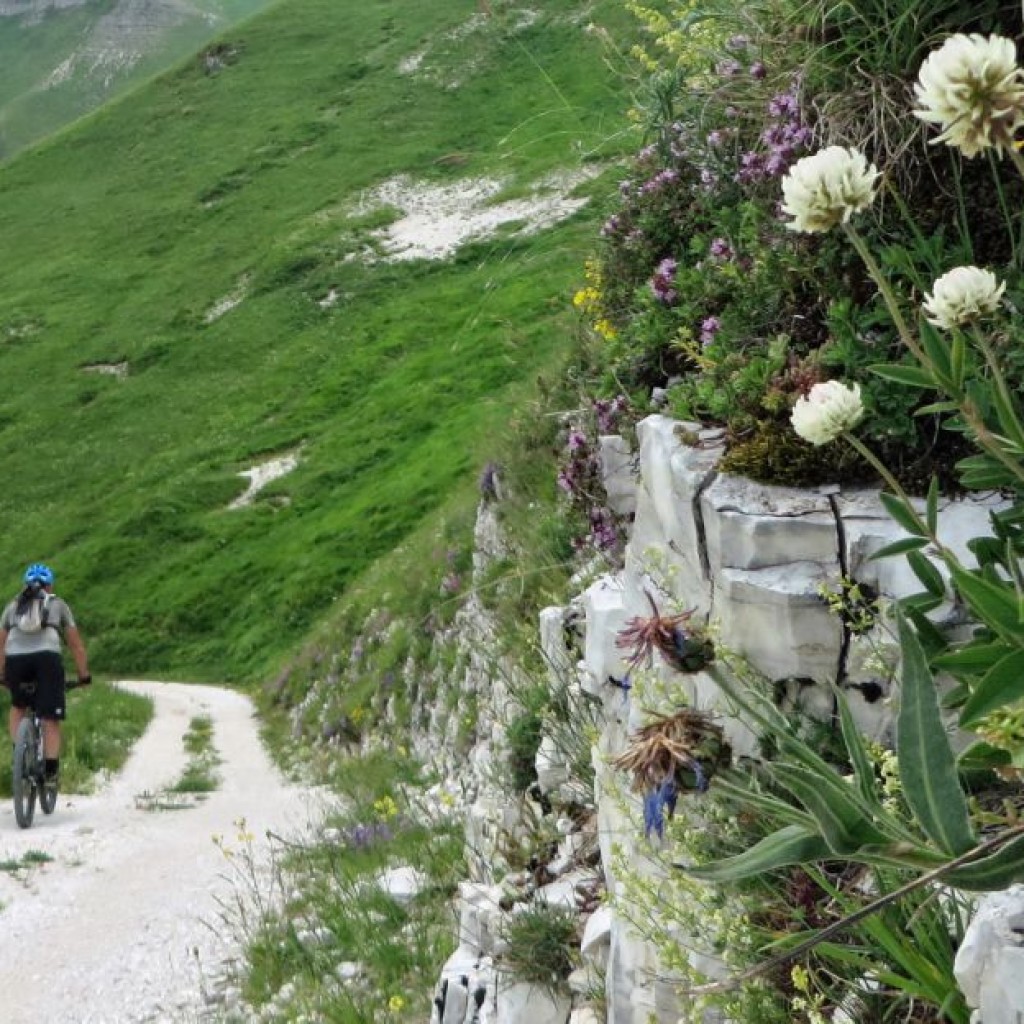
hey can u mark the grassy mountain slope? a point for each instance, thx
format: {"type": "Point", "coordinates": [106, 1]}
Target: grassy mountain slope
{"type": "Point", "coordinates": [127, 237]}
{"type": "Point", "coordinates": [57, 65]}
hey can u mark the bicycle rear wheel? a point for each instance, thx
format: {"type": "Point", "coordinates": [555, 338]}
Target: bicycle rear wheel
{"type": "Point", "coordinates": [47, 793]}
{"type": "Point", "coordinates": [23, 779]}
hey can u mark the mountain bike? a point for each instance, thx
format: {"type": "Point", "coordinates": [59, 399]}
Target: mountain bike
{"type": "Point", "coordinates": [29, 769]}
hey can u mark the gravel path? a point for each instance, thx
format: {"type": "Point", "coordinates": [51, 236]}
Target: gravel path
{"type": "Point", "coordinates": [123, 925]}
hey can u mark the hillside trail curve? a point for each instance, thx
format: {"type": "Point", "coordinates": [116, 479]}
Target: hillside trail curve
{"type": "Point", "coordinates": [122, 920]}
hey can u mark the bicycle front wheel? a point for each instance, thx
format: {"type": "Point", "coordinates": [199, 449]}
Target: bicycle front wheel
{"type": "Point", "coordinates": [23, 778]}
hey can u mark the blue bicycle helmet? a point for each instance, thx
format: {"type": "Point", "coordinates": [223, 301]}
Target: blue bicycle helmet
{"type": "Point", "coordinates": [39, 573]}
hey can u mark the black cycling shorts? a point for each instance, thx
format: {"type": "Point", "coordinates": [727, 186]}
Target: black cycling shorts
{"type": "Point", "coordinates": [36, 680]}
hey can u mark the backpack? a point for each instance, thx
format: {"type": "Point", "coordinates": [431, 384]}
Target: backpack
{"type": "Point", "coordinates": [31, 613]}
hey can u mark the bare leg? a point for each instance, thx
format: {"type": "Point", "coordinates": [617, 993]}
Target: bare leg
{"type": "Point", "coordinates": [51, 738]}
{"type": "Point", "coordinates": [14, 720]}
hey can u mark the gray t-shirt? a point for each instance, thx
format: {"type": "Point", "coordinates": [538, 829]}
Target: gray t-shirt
{"type": "Point", "coordinates": [58, 616]}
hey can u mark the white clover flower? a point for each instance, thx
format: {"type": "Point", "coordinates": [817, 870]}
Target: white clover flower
{"type": "Point", "coordinates": [972, 88]}
{"type": "Point", "coordinates": [826, 411]}
{"type": "Point", "coordinates": [961, 295]}
{"type": "Point", "coordinates": [825, 189]}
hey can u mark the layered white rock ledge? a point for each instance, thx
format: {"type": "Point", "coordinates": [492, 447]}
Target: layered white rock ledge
{"type": "Point", "coordinates": [750, 560]}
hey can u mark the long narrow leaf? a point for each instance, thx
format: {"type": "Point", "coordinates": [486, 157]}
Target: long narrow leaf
{"type": "Point", "coordinates": [975, 658]}
{"type": "Point", "coordinates": [901, 547]}
{"type": "Point", "coordinates": [932, 505]}
{"type": "Point", "coordinates": [927, 764]}
{"type": "Point", "coordinates": [913, 376]}
{"type": "Point", "coordinates": [996, 871]}
{"type": "Point", "coordinates": [995, 604]}
{"type": "Point", "coordinates": [863, 770]}
{"type": "Point", "coordinates": [902, 513]}
{"type": "Point", "coordinates": [1003, 684]}
{"type": "Point", "coordinates": [790, 845]}
{"type": "Point", "coordinates": [844, 824]}
{"type": "Point", "coordinates": [926, 572]}
{"type": "Point", "coordinates": [938, 353]}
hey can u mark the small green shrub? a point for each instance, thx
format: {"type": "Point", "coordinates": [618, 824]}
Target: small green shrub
{"type": "Point", "coordinates": [523, 736]}
{"type": "Point", "coordinates": [543, 943]}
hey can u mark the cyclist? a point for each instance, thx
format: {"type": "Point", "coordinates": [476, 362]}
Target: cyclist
{"type": "Point", "coordinates": [33, 670]}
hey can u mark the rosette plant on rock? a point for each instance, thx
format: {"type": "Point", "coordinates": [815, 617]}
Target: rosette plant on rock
{"type": "Point", "coordinates": [673, 755]}
{"type": "Point", "coordinates": [684, 647]}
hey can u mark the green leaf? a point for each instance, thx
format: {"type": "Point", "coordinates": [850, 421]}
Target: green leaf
{"type": "Point", "coordinates": [921, 603]}
{"type": "Point", "coordinates": [982, 756]}
{"type": "Point", "coordinates": [996, 871]}
{"type": "Point", "coordinates": [790, 845]}
{"type": "Point", "coordinates": [957, 361]}
{"type": "Point", "coordinates": [927, 766]}
{"type": "Point", "coordinates": [902, 513]}
{"type": "Point", "coordinates": [956, 697]}
{"type": "Point", "coordinates": [913, 376]}
{"type": "Point", "coordinates": [936, 407]}
{"type": "Point", "coordinates": [1003, 684]}
{"type": "Point", "coordinates": [1007, 414]}
{"type": "Point", "coordinates": [931, 518]}
{"type": "Point", "coordinates": [843, 821]}
{"type": "Point", "coordinates": [935, 348]}
{"type": "Point", "coordinates": [926, 572]}
{"type": "Point", "coordinates": [863, 770]}
{"type": "Point", "coordinates": [995, 604]}
{"type": "Point", "coordinates": [901, 547]}
{"type": "Point", "coordinates": [741, 791]}
{"type": "Point", "coordinates": [981, 472]}
{"type": "Point", "coordinates": [974, 659]}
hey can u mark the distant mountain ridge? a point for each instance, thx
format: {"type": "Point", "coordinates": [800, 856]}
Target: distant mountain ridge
{"type": "Point", "coordinates": [59, 59]}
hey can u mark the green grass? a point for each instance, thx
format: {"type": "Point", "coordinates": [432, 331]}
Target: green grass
{"type": "Point", "coordinates": [29, 859]}
{"type": "Point", "coordinates": [124, 232]}
{"type": "Point", "coordinates": [101, 728]}
{"type": "Point", "coordinates": [200, 775]}
{"type": "Point", "coordinates": [333, 894]}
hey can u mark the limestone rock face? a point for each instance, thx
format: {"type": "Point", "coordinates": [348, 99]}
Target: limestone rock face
{"type": "Point", "coordinates": [753, 565]}
{"type": "Point", "coordinates": [989, 965]}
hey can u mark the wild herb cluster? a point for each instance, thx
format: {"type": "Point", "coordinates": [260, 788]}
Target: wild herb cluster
{"type": "Point", "coordinates": [819, 250]}
{"type": "Point", "coordinates": [699, 287]}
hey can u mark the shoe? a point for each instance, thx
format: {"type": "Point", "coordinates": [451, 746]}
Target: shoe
{"type": "Point", "coordinates": [50, 783]}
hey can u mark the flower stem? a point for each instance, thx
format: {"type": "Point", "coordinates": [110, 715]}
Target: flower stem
{"type": "Point", "coordinates": [887, 293]}
{"type": "Point", "coordinates": [894, 485]}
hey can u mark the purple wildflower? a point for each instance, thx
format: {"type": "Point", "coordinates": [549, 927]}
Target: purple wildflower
{"type": "Point", "coordinates": [362, 837]}
{"type": "Point", "coordinates": [611, 225]}
{"type": "Point", "coordinates": [751, 168]}
{"type": "Point", "coordinates": [659, 181]}
{"type": "Point", "coordinates": [662, 284]}
{"type": "Point", "coordinates": [728, 68]}
{"type": "Point", "coordinates": [603, 531]}
{"type": "Point", "coordinates": [720, 249]}
{"type": "Point", "coordinates": [715, 138]}
{"type": "Point", "coordinates": [709, 327]}
{"type": "Point", "coordinates": [783, 104]}
{"type": "Point", "coordinates": [758, 71]}
{"type": "Point", "coordinates": [607, 411]}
